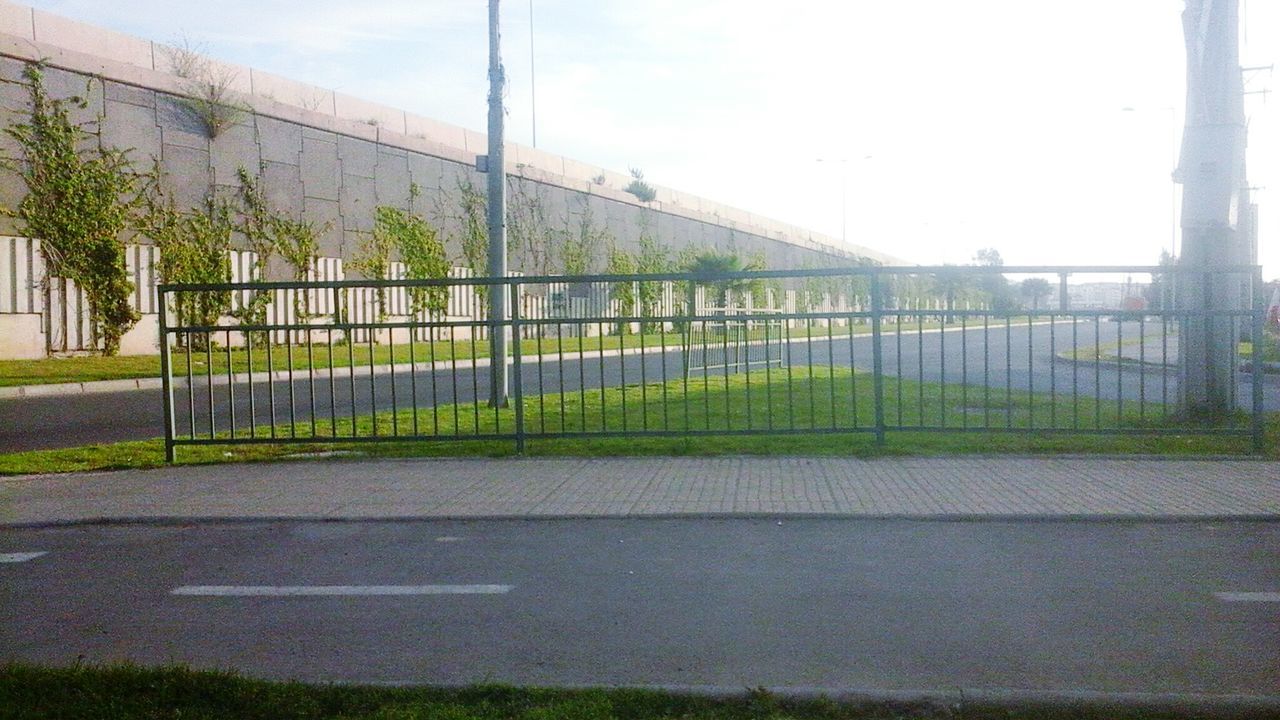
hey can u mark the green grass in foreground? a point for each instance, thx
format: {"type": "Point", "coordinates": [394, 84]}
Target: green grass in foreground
{"type": "Point", "coordinates": [133, 693]}
{"type": "Point", "coordinates": [744, 401]}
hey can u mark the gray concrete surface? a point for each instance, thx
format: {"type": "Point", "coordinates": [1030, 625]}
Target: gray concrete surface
{"type": "Point", "coordinates": [345, 488]}
{"type": "Point", "coordinates": [906, 606]}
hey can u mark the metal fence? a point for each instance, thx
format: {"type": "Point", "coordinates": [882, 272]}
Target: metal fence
{"type": "Point", "coordinates": [835, 351]}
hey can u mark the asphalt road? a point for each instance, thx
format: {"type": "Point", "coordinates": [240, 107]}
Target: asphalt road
{"type": "Point", "coordinates": [884, 605]}
{"type": "Point", "coordinates": [1016, 359]}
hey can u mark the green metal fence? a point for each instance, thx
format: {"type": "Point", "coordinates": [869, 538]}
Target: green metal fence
{"type": "Point", "coordinates": [836, 351]}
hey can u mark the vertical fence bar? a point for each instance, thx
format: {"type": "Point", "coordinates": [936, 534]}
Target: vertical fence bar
{"type": "Point", "coordinates": [253, 415]}
{"type": "Point", "coordinates": [517, 370]}
{"type": "Point", "coordinates": [165, 380]}
{"type": "Point", "coordinates": [877, 359]}
{"type": "Point", "coordinates": [1259, 335]}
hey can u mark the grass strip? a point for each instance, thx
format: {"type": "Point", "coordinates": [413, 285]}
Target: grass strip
{"type": "Point", "coordinates": [744, 402]}
{"type": "Point", "coordinates": [77, 369]}
{"type": "Point", "coordinates": [127, 692]}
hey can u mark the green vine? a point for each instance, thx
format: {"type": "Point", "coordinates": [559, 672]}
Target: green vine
{"type": "Point", "coordinates": [271, 232]}
{"type": "Point", "coordinates": [193, 248]}
{"type": "Point", "coordinates": [474, 231]}
{"type": "Point", "coordinates": [622, 262]}
{"type": "Point", "coordinates": [653, 257]}
{"type": "Point", "coordinates": [528, 232]}
{"type": "Point", "coordinates": [583, 247]}
{"type": "Point", "coordinates": [78, 203]}
{"type": "Point", "coordinates": [420, 249]}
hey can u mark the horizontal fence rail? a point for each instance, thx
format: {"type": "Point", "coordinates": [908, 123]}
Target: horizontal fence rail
{"type": "Point", "coordinates": [845, 351]}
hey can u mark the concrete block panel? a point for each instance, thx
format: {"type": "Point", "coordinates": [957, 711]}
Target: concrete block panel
{"type": "Point", "coordinates": [15, 103]}
{"type": "Point", "coordinates": [281, 141]}
{"type": "Point", "coordinates": [356, 200]}
{"type": "Point", "coordinates": [320, 168]}
{"type": "Point", "coordinates": [282, 186]}
{"type": "Point", "coordinates": [326, 216]}
{"type": "Point", "coordinates": [132, 128]}
{"type": "Point", "coordinates": [21, 337]}
{"type": "Point", "coordinates": [187, 174]}
{"type": "Point", "coordinates": [436, 131]}
{"type": "Point", "coordinates": [65, 33]}
{"type": "Point", "coordinates": [234, 148]}
{"type": "Point", "coordinates": [476, 142]}
{"type": "Point", "coordinates": [11, 70]}
{"type": "Point", "coordinates": [580, 170]}
{"type": "Point", "coordinates": [292, 92]}
{"type": "Point", "coordinates": [17, 20]}
{"type": "Point", "coordinates": [64, 85]}
{"type": "Point", "coordinates": [313, 133]}
{"type": "Point", "coordinates": [427, 171]}
{"type": "Point", "coordinates": [359, 157]}
{"type": "Point", "coordinates": [119, 92]}
{"type": "Point", "coordinates": [391, 180]}
{"type": "Point", "coordinates": [143, 338]}
{"type": "Point", "coordinates": [181, 124]}
{"type": "Point", "coordinates": [371, 113]}
{"type": "Point", "coordinates": [535, 158]}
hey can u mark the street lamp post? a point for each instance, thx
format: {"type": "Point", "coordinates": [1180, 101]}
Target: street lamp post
{"type": "Point", "coordinates": [495, 166]}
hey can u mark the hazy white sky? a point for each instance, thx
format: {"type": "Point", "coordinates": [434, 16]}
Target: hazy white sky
{"type": "Point", "coordinates": [986, 123]}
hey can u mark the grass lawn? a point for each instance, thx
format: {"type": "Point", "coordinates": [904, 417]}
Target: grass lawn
{"type": "Point", "coordinates": [132, 693]}
{"type": "Point", "coordinates": [741, 402]}
{"type": "Point", "coordinates": [321, 354]}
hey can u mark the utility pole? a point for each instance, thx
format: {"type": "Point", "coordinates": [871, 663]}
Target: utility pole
{"type": "Point", "coordinates": [1212, 173]}
{"type": "Point", "coordinates": [533, 80]}
{"type": "Point", "coordinates": [495, 166]}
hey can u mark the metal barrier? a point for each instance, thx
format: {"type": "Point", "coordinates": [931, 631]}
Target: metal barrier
{"type": "Point", "coordinates": [834, 351]}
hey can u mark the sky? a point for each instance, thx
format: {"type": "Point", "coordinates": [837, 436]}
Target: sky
{"type": "Point", "coordinates": [923, 128]}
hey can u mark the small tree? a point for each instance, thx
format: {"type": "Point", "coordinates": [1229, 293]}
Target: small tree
{"type": "Point", "coordinates": [1034, 289]}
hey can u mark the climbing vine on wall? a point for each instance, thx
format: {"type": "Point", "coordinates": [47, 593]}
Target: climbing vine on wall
{"type": "Point", "coordinates": [582, 247]}
{"type": "Point", "coordinates": [270, 232]}
{"type": "Point", "coordinates": [80, 198]}
{"type": "Point", "coordinates": [419, 247]}
{"type": "Point", "coordinates": [193, 248]}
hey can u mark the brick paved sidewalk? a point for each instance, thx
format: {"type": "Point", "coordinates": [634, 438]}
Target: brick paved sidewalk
{"type": "Point", "coordinates": [630, 487]}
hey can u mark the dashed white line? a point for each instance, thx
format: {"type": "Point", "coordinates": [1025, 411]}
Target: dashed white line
{"type": "Point", "coordinates": [336, 590]}
{"type": "Point", "coordinates": [17, 557]}
{"type": "Point", "coordinates": [1248, 596]}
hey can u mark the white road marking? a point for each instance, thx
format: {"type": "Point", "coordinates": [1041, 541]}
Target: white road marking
{"type": "Point", "coordinates": [332, 590]}
{"type": "Point", "coordinates": [20, 556]}
{"type": "Point", "coordinates": [1248, 596]}
{"type": "Point", "coordinates": [448, 538]}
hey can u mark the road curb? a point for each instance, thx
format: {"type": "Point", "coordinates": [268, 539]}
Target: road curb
{"type": "Point", "coordinates": [957, 700]}
{"type": "Point", "coordinates": [780, 518]}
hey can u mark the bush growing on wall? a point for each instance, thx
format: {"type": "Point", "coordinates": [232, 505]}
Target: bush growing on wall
{"type": "Point", "coordinates": [78, 203]}
{"type": "Point", "coordinates": [643, 191]}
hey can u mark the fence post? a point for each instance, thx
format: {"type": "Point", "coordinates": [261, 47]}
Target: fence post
{"type": "Point", "coordinates": [517, 370]}
{"type": "Point", "coordinates": [877, 356]}
{"type": "Point", "coordinates": [170, 452]}
{"type": "Point", "coordinates": [1259, 335]}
